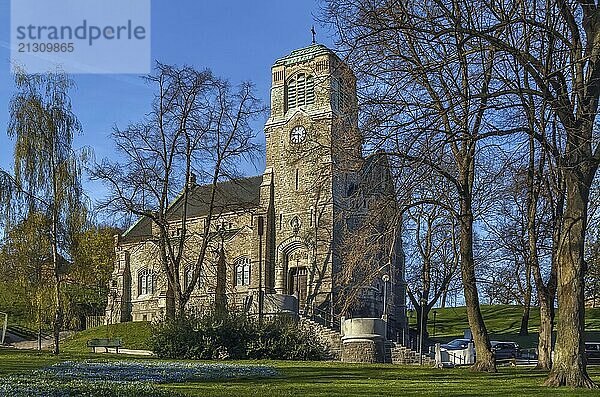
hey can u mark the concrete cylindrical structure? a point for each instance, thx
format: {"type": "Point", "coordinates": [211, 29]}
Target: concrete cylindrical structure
{"type": "Point", "coordinates": [363, 340]}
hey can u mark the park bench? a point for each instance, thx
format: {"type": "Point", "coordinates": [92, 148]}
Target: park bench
{"type": "Point", "coordinates": [105, 343]}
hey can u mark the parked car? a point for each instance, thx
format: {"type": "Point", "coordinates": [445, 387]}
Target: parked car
{"type": "Point", "coordinates": [457, 352]}
{"type": "Point", "coordinates": [504, 350]}
{"type": "Point", "coordinates": [592, 352]}
{"type": "Point", "coordinates": [456, 344]}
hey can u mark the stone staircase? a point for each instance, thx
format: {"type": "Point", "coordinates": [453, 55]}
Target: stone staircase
{"type": "Point", "coordinates": [395, 353]}
{"type": "Point", "coordinates": [330, 337]}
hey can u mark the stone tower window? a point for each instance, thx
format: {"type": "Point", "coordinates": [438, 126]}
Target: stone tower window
{"type": "Point", "coordinates": [146, 281]}
{"type": "Point", "coordinates": [189, 274]}
{"type": "Point", "coordinates": [340, 99]}
{"type": "Point", "coordinates": [300, 91]}
{"type": "Point", "coordinates": [242, 272]}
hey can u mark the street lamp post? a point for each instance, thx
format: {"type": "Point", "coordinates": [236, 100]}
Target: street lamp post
{"type": "Point", "coordinates": [385, 279]}
{"type": "Point", "coordinates": [421, 330]}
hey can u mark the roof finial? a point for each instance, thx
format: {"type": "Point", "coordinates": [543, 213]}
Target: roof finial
{"type": "Point", "coordinates": [312, 30]}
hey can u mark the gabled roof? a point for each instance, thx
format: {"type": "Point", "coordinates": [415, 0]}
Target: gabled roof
{"type": "Point", "coordinates": [234, 195]}
{"type": "Point", "coordinates": [139, 230]}
{"type": "Point", "coordinates": [231, 196]}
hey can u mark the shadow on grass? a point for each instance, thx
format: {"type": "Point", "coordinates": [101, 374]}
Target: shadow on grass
{"type": "Point", "coordinates": [385, 380]}
{"type": "Point", "coordinates": [337, 379]}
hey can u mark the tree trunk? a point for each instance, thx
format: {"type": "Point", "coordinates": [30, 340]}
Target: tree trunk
{"type": "Point", "coordinates": [422, 313]}
{"type": "Point", "coordinates": [524, 330]}
{"type": "Point", "coordinates": [568, 368]}
{"type": "Point", "coordinates": [170, 303]}
{"type": "Point", "coordinates": [58, 315]}
{"type": "Point", "coordinates": [58, 310]}
{"type": "Point", "coordinates": [179, 304]}
{"type": "Point", "coordinates": [220, 292]}
{"type": "Point", "coordinates": [545, 333]}
{"type": "Point", "coordinates": [485, 359]}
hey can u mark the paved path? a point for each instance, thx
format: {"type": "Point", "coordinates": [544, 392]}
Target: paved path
{"type": "Point", "coordinates": [47, 342]}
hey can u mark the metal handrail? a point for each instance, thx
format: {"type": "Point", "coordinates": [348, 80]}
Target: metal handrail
{"type": "Point", "coordinates": [461, 358]}
{"type": "Point", "coordinates": [330, 319]}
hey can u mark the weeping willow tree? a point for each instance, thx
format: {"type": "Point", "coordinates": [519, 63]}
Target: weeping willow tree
{"type": "Point", "coordinates": [47, 171]}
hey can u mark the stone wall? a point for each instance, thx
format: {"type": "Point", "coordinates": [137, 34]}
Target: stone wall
{"type": "Point", "coordinates": [363, 351]}
{"type": "Point", "coordinates": [398, 354]}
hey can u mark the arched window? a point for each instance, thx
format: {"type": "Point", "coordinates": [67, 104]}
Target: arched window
{"type": "Point", "coordinates": [146, 281]}
{"type": "Point", "coordinates": [300, 91]}
{"type": "Point", "coordinates": [242, 271]}
{"type": "Point", "coordinates": [188, 275]}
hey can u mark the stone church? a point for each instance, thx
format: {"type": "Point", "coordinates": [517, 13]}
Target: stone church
{"type": "Point", "coordinates": [314, 235]}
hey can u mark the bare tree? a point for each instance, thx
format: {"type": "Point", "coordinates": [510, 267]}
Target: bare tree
{"type": "Point", "coordinates": [509, 229]}
{"type": "Point", "coordinates": [432, 250]}
{"type": "Point", "coordinates": [370, 244]}
{"type": "Point", "coordinates": [197, 132]}
{"type": "Point", "coordinates": [556, 42]}
{"type": "Point", "coordinates": [429, 91]}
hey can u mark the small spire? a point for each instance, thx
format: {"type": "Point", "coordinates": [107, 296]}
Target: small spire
{"type": "Point", "coordinates": [312, 30]}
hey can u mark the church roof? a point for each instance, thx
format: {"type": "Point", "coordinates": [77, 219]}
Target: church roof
{"type": "Point", "coordinates": [230, 196]}
{"type": "Point", "coordinates": [304, 54]}
{"type": "Point", "coordinates": [233, 195]}
{"type": "Point", "coordinates": [140, 229]}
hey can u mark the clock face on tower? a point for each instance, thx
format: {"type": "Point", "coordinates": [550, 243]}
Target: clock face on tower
{"type": "Point", "coordinates": [298, 134]}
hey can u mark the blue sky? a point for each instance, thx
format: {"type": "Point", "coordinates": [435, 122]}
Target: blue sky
{"type": "Point", "coordinates": [238, 40]}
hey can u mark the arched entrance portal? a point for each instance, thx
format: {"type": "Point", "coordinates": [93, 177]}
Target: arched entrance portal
{"type": "Point", "coordinates": [297, 276]}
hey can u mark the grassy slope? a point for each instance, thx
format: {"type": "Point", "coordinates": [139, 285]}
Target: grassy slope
{"type": "Point", "coordinates": [338, 379]}
{"type": "Point", "coordinates": [135, 335]}
{"type": "Point", "coordinates": [502, 321]}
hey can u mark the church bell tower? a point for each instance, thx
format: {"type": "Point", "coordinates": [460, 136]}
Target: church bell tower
{"type": "Point", "coordinates": [313, 149]}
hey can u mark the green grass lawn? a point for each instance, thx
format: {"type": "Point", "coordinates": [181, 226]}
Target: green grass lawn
{"type": "Point", "coordinates": [329, 378]}
{"type": "Point", "coordinates": [502, 322]}
{"type": "Point", "coordinates": [335, 379]}
{"type": "Point", "coordinates": [135, 335]}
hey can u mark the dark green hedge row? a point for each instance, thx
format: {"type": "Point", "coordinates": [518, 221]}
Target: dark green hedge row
{"type": "Point", "coordinates": [234, 336]}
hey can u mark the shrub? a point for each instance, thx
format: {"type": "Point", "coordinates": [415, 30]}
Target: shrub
{"type": "Point", "coordinates": [284, 339]}
{"type": "Point", "coordinates": [234, 336]}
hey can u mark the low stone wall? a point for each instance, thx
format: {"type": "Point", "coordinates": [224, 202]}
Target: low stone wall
{"type": "Point", "coordinates": [398, 354]}
{"type": "Point", "coordinates": [363, 351]}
